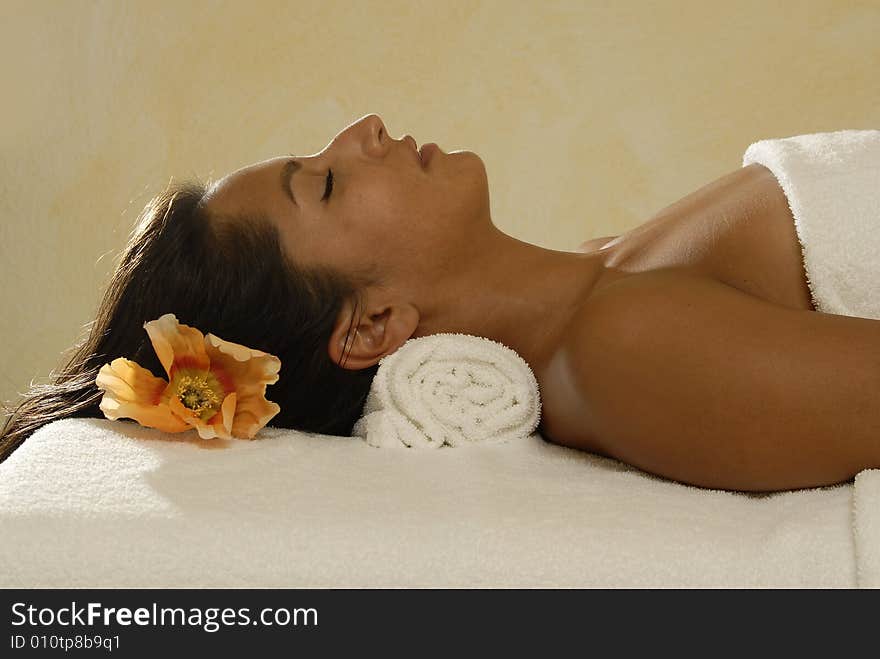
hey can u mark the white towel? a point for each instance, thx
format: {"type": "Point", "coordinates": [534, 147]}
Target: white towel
{"type": "Point", "coordinates": [450, 390]}
{"type": "Point", "coordinates": [832, 181]}
{"type": "Point", "coordinates": [866, 527]}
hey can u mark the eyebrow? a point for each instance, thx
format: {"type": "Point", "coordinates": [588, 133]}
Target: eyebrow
{"type": "Point", "coordinates": [287, 172]}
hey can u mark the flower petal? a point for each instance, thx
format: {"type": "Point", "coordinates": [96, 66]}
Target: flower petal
{"type": "Point", "coordinates": [157, 416]}
{"type": "Point", "coordinates": [177, 345]}
{"type": "Point", "coordinates": [129, 381]}
{"type": "Point", "coordinates": [243, 364]}
{"type": "Point", "coordinates": [251, 415]}
{"type": "Point", "coordinates": [132, 392]}
{"type": "Point", "coordinates": [249, 371]}
{"type": "Point", "coordinates": [227, 412]}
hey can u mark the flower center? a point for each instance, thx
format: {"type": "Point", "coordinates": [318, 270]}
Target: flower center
{"type": "Point", "coordinates": [194, 393]}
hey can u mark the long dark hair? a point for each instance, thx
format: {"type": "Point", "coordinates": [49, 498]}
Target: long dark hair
{"type": "Point", "coordinates": [226, 275]}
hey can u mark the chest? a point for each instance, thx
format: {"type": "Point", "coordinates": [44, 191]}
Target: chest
{"type": "Point", "coordinates": [737, 229]}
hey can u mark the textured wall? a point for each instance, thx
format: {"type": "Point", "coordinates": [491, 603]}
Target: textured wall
{"type": "Point", "coordinates": [589, 115]}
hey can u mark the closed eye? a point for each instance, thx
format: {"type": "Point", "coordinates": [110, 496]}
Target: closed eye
{"type": "Point", "coordinates": [328, 188]}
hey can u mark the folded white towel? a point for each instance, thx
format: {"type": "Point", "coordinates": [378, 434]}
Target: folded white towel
{"type": "Point", "coordinates": [866, 527]}
{"type": "Point", "coordinates": [832, 181]}
{"type": "Point", "coordinates": [450, 389]}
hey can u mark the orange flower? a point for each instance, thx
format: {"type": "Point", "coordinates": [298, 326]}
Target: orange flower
{"type": "Point", "coordinates": [214, 386]}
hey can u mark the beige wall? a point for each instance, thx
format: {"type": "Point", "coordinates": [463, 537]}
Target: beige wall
{"type": "Point", "coordinates": [589, 115]}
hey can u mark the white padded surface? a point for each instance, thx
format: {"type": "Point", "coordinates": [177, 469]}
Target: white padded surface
{"type": "Point", "coordinates": [99, 503]}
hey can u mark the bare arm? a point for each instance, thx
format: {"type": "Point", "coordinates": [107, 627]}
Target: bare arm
{"type": "Point", "coordinates": [699, 382]}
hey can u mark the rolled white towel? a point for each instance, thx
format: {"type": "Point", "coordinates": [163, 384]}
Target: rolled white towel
{"type": "Point", "coordinates": [450, 390]}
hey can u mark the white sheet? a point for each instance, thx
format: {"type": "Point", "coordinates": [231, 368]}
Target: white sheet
{"type": "Point", "coordinates": [99, 503]}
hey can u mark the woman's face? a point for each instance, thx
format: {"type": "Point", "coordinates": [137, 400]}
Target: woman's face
{"type": "Point", "coordinates": [385, 210]}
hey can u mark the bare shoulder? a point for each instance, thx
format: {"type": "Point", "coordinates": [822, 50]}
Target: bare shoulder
{"type": "Point", "coordinates": [595, 243]}
{"type": "Point", "coordinates": [692, 379]}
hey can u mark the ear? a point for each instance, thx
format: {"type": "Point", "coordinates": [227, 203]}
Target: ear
{"type": "Point", "coordinates": [381, 331]}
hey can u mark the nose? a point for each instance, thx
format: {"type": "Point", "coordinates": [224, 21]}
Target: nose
{"type": "Point", "coordinates": [368, 132]}
{"type": "Point", "coordinates": [373, 124]}
{"type": "Point", "coordinates": [374, 135]}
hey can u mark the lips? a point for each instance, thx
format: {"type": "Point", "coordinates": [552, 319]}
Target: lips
{"type": "Point", "coordinates": [427, 152]}
{"type": "Point", "coordinates": [411, 140]}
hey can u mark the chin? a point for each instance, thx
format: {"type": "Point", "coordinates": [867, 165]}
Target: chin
{"type": "Point", "coordinates": [464, 153]}
{"type": "Point", "coordinates": [470, 159]}
{"type": "Point", "coordinates": [469, 178]}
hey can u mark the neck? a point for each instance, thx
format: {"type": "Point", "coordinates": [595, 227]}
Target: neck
{"type": "Point", "coordinates": [513, 292]}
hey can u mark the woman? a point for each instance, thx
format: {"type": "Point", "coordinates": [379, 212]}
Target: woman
{"type": "Point", "coordinates": [688, 347]}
